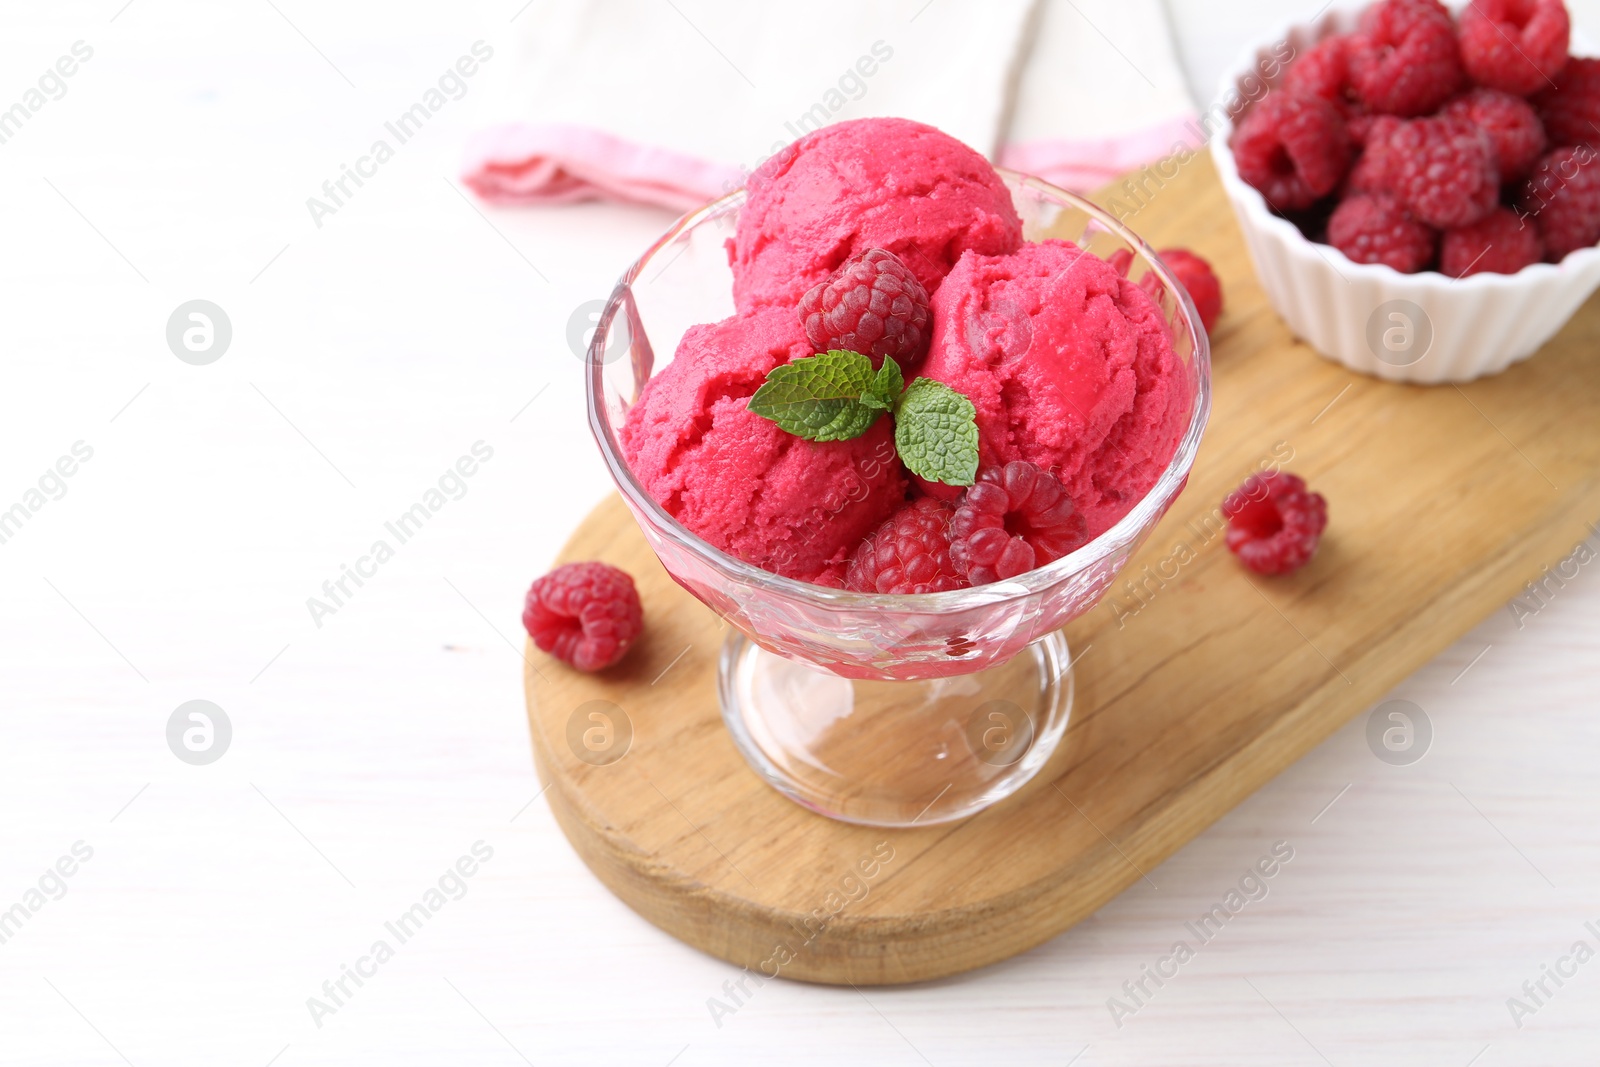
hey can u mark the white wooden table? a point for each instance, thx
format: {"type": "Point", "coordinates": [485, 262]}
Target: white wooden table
{"type": "Point", "coordinates": [372, 752]}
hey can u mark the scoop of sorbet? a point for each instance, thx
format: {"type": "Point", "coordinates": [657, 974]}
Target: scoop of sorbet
{"type": "Point", "coordinates": [869, 183]}
{"type": "Point", "coordinates": [788, 505]}
{"type": "Point", "coordinates": [1069, 366]}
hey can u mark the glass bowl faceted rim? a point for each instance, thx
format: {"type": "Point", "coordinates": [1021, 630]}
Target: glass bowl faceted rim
{"type": "Point", "coordinates": [1040, 580]}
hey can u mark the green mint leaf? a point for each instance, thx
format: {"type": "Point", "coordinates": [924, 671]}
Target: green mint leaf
{"type": "Point", "coordinates": [936, 434]}
{"type": "Point", "coordinates": [886, 387]}
{"type": "Point", "coordinates": [819, 397]}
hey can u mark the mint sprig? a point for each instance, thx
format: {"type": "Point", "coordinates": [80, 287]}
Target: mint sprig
{"type": "Point", "coordinates": [886, 387]}
{"type": "Point", "coordinates": [836, 395]}
{"type": "Point", "coordinates": [820, 397]}
{"type": "Point", "coordinates": [936, 434]}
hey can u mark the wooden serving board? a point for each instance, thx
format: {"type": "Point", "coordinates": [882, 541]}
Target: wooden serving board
{"type": "Point", "coordinates": [1193, 689]}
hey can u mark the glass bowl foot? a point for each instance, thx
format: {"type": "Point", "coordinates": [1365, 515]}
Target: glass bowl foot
{"type": "Point", "coordinates": [900, 754]}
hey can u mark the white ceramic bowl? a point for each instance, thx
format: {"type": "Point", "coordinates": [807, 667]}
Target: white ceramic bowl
{"type": "Point", "coordinates": [1425, 328]}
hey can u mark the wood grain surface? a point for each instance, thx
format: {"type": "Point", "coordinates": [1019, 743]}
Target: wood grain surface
{"type": "Point", "coordinates": [1196, 684]}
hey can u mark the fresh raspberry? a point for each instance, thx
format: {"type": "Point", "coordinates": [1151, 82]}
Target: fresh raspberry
{"type": "Point", "coordinates": [1376, 229]}
{"type": "Point", "coordinates": [1571, 110]}
{"type": "Point", "coordinates": [1514, 45]}
{"type": "Point", "coordinates": [1013, 519]}
{"type": "Point", "coordinates": [1516, 136]}
{"type": "Point", "coordinates": [1563, 195]}
{"type": "Point", "coordinates": [1201, 281]}
{"type": "Point", "coordinates": [585, 614]}
{"type": "Point", "coordinates": [1443, 170]}
{"type": "Point", "coordinates": [873, 305]}
{"type": "Point", "coordinates": [1322, 70]}
{"type": "Point", "coordinates": [1500, 243]}
{"type": "Point", "coordinates": [1294, 149]}
{"type": "Point", "coordinates": [909, 553]}
{"type": "Point", "coordinates": [1274, 524]}
{"type": "Point", "coordinates": [1405, 61]}
{"type": "Point", "coordinates": [1365, 128]}
{"type": "Point", "coordinates": [1369, 176]}
{"type": "Point", "coordinates": [1394, 19]}
{"type": "Point", "coordinates": [1121, 261]}
{"type": "Point", "coordinates": [1374, 171]}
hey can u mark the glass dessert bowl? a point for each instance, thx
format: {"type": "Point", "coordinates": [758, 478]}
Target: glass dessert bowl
{"type": "Point", "coordinates": [888, 710]}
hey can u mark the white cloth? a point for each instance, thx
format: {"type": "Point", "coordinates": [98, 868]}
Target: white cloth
{"type": "Point", "coordinates": [1101, 93]}
{"type": "Point", "coordinates": [675, 101]}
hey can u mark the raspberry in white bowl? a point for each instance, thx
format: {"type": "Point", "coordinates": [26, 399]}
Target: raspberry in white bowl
{"type": "Point", "coordinates": [1420, 187]}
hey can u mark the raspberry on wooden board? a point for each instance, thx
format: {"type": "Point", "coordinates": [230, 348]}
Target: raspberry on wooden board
{"type": "Point", "coordinates": [584, 614]}
{"type": "Point", "coordinates": [1200, 280]}
{"type": "Point", "coordinates": [1274, 522]}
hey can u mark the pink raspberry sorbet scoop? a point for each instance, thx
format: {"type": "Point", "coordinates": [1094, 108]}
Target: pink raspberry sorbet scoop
{"type": "Point", "coordinates": [785, 504]}
{"type": "Point", "coordinates": [869, 183]}
{"type": "Point", "coordinates": [1070, 367]}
